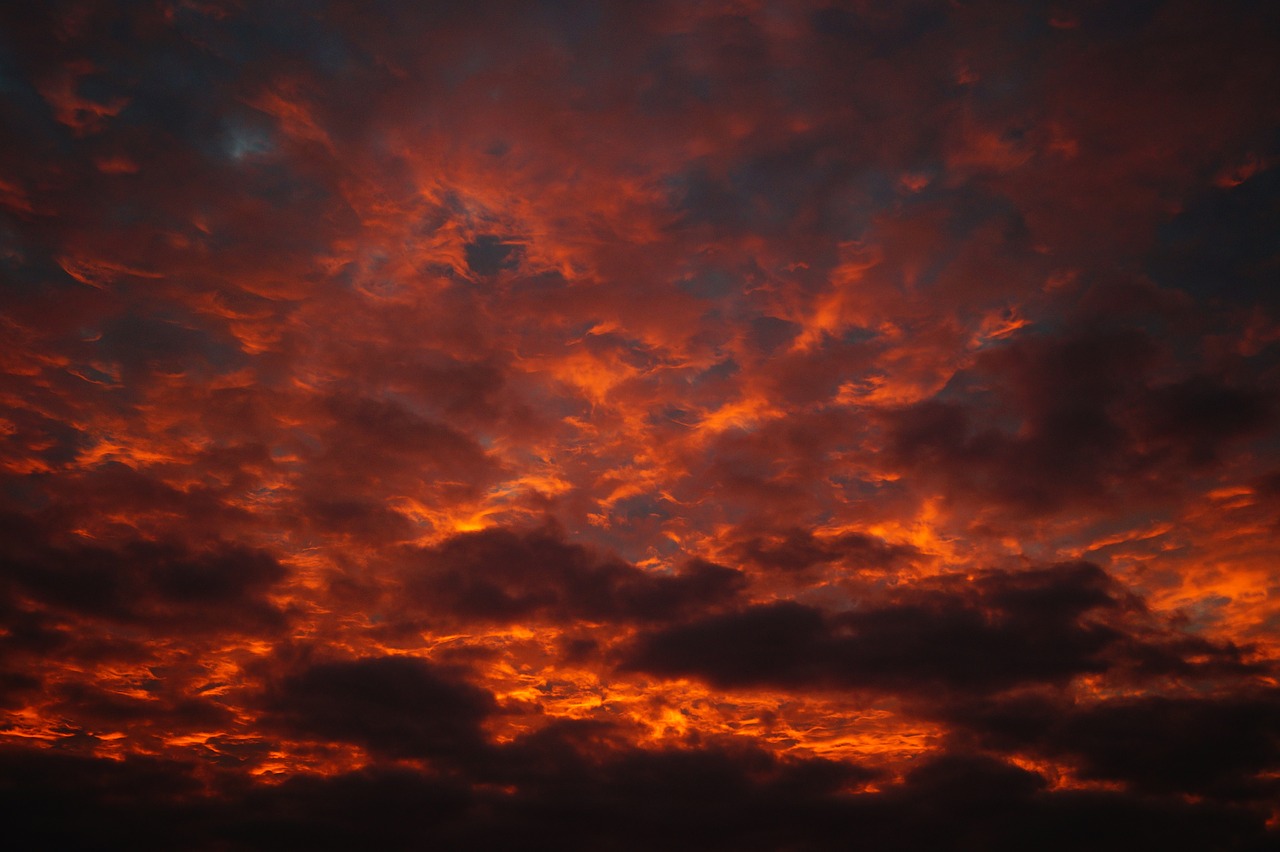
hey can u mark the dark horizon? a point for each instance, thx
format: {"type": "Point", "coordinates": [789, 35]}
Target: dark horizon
{"type": "Point", "coordinates": [743, 425]}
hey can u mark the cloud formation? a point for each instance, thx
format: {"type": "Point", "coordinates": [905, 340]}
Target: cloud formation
{"type": "Point", "coordinates": [751, 425]}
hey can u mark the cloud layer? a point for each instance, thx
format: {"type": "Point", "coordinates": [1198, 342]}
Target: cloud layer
{"type": "Point", "coordinates": [740, 425]}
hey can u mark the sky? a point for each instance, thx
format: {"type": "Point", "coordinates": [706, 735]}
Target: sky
{"type": "Point", "coordinates": [602, 425]}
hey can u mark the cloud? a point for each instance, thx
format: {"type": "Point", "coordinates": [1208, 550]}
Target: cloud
{"type": "Point", "coordinates": [1044, 423]}
{"type": "Point", "coordinates": [710, 798]}
{"type": "Point", "coordinates": [509, 576]}
{"type": "Point", "coordinates": [797, 549]}
{"type": "Point", "coordinates": [395, 706]}
{"type": "Point", "coordinates": [156, 585]}
{"type": "Point", "coordinates": [606, 425]}
{"type": "Point", "coordinates": [1216, 746]}
{"type": "Point", "coordinates": [984, 633]}
{"type": "Point", "coordinates": [489, 255]}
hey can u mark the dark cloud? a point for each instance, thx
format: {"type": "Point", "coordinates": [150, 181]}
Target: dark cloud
{"type": "Point", "coordinates": [1055, 421]}
{"type": "Point", "coordinates": [158, 585]}
{"type": "Point", "coordinates": [394, 706]}
{"type": "Point", "coordinates": [365, 444]}
{"type": "Point", "coordinates": [1223, 247]}
{"type": "Point", "coordinates": [1199, 417]}
{"type": "Point", "coordinates": [15, 686]}
{"type": "Point", "coordinates": [75, 802]}
{"type": "Point", "coordinates": [505, 576]}
{"type": "Point", "coordinates": [105, 710]}
{"type": "Point", "coordinates": [1062, 443]}
{"type": "Point", "coordinates": [386, 808]}
{"type": "Point", "coordinates": [971, 801]}
{"type": "Point", "coordinates": [139, 346]}
{"type": "Point", "coordinates": [714, 797]}
{"type": "Point", "coordinates": [1224, 747]}
{"type": "Point", "coordinates": [489, 255]}
{"type": "Point", "coordinates": [375, 434]}
{"type": "Point", "coordinates": [796, 549]}
{"type": "Point", "coordinates": [983, 633]}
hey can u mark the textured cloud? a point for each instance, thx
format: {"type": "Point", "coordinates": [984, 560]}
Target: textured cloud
{"type": "Point", "coordinates": [1221, 747]}
{"type": "Point", "coordinates": [988, 632]}
{"type": "Point", "coordinates": [750, 425]}
{"type": "Point", "coordinates": [507, 577]}
{"type": "Point", "coordinates": [710, 798]}
{"type": "Point", "coordinates": [397, 706]}
{"type": "Point", "coordinates": [155, 585]}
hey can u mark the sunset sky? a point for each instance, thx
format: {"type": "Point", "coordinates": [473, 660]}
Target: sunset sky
{"type": "Point", "coordinates": [640, 425]}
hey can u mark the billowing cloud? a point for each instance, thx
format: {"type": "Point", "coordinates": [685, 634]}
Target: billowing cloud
{"type": "Point", "coordinates": [988, 632]}
{"type": "Point", "coordinates": [154, 585]}
{"type": "Point", "coordinates": [399, 706]}
{"type": "Point", "coordinates": [757, 425]}
{"type": "Point", "coordinates": [508, 577]}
